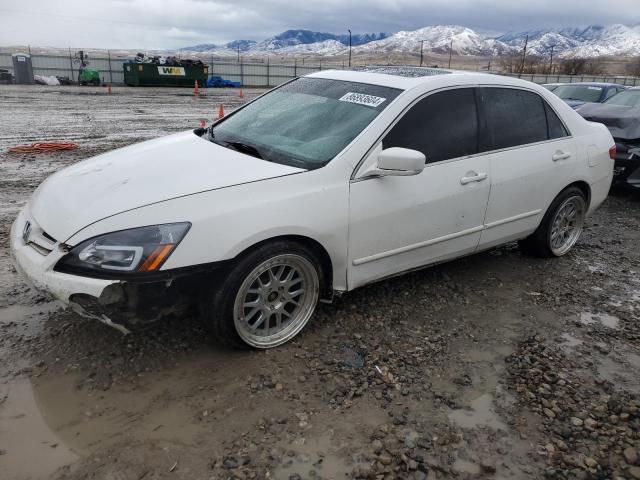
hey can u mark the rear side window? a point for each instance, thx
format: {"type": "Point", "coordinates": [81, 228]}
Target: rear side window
{"type": "Point", "coordinates": [514, 117]}
{"type": "Point", "coordinates": [554, 124]}
{"type": "Point", "coordinates": [443, 125]}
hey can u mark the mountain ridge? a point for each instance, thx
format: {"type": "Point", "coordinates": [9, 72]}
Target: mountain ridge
{"type": "Point", "coordinates": [587, 41]}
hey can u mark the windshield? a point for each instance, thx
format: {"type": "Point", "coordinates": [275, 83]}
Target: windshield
{"type": "Point", "coordinates": [629, 98]}
{"type": "Point", "coordinates": [584, 93]}
{"type": "Point", "coordinates": [305, 123]}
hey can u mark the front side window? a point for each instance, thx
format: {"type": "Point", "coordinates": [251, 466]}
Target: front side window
{"type": "Point", "coordinates": [443, 125]}
{"type": "Point", "coordinates": [305, 123]}
{"type": "Point", "coordinates": [514, 117]}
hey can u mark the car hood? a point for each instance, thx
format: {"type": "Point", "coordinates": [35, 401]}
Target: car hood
{"type": "Point", "coordinates": [623, 122]}
{"type": "Point", "coordinates": [138, 175]}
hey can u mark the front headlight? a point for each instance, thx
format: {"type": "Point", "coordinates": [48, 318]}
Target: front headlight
{"type": "Point", "coordinates": [137, 250]}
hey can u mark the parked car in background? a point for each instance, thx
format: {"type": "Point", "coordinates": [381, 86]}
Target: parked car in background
{"type": "Point", "coordinates": [621, 115]}
{"type": "Point", "coordinates": [577, 94]}
{"type": "Point", "coordinates": [551, 86]}
{"type": "Point", "coordinates": [326, 183]}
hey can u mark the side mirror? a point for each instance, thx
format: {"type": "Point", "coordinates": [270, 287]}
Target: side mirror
{"type": "Point", "coordinates": [397, 161]}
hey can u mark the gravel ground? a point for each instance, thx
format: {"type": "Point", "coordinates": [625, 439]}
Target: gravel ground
{"type": "Point", "coordinates": [493, 366]}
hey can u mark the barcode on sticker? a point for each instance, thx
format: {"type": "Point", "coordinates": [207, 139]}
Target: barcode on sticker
{"type": "Point", "coordinates": [362, 99]}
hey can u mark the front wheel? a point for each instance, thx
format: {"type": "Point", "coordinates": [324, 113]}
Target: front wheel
{"type": "Point", "coordinates": [561, 226]}
{"type": "Point", "coordinates": [267, 298]}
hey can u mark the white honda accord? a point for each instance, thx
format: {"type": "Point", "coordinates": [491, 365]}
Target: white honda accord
{"type": "Point", "coordinates": [320, 186]}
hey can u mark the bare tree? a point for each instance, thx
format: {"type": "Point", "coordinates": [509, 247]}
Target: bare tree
{"type": "Point", "coordinates": [634, 67]}
{"type": "Point", "coordinates": [582, 66]}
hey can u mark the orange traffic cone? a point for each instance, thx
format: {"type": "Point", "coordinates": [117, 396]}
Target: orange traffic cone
{"type": "Point", "coordinates": [109, 89]}
{"type": "Point", "coordinates": [221, 111]}
{"type": "Point", "coordinates": [196, 89]}
{"type": "Point", "coordinates": [241, 93]}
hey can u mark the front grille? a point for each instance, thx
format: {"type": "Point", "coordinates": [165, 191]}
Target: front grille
{"type": "Point", "coordinates": [39, 240]}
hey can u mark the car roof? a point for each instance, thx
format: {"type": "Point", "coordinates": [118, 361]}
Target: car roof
{"type": "Point", "coordinates": [407, 77]}
{"type": "Point", "coordinates": [589, 84]}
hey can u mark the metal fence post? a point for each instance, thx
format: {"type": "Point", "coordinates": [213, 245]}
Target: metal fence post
{"type": "Point", "coordinates": [71, 63]}
{"type": "Point", "coordinates": [110, 72]}
{"type": "Point", "coordinates": [295, 67]}
{"type": "Point", "coordinates": [241, 73]}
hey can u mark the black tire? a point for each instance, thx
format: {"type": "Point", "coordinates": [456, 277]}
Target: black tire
{"type": "Point", "coordinates": [95, 82]}
{"type": "Point", "coordinates": [218, 300]}
{"type": "Point", "coordinates": [538, 244]}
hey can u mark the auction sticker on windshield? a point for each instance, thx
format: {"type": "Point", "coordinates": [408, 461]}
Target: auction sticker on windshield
{"type": "Point", "coordinates": [362, 99]}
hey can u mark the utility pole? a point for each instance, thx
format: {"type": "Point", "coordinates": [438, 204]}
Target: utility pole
{"type": "Point", "coordinates": [421, 49]}
{"type": "Point", "coordinates": [450, 51]}
{"type": "Point", "coordinates": [349, 30]}
{"type": "Point", "coordinates": [551, 60]}
{"type": "Point", "coordinates": [238, 52]}
{"type": "Point", "coordinates": [524, 53]}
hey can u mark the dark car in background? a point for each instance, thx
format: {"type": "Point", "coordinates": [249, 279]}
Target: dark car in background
{"type": "Point", "coordinates": [621, 115]}
{"type": "Point", "coordinates": [579, 93]}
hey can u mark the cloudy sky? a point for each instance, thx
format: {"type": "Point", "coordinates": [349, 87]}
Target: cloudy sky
{"type": "Point", "coordinates": [175, 23]}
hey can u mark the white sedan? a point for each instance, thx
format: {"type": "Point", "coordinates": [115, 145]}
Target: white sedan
{"type": "Point", "coordinates": [320, 186]}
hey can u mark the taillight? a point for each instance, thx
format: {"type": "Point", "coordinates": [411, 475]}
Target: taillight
{"type": "Point", "coordinates": [612, 153]}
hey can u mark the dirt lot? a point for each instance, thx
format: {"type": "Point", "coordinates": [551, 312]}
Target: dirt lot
{"type": "Point", "coordinates": [494, 366]}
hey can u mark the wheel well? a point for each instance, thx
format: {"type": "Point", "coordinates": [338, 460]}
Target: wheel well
{"type": "Point", "coordinates": [584, 188]}
{"type": "Point", "coordinates": [316, 247]}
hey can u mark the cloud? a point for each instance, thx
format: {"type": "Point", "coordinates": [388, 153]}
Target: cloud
{"type": "Point", "coordinates": [175, 23]}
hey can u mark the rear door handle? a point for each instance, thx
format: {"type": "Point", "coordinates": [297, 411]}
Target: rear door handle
{"type": "Point", "coordinates": [477, 177]}
{"type": "Point", "coordinates": [560, 155]}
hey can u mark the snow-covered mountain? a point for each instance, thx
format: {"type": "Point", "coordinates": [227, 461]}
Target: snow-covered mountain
{"type": "Point", "coordinates": [588, 41]}
{"type": "Point", "coordinates": [591, 41]}
{"type": "Point", "coordinates": [437, 39]}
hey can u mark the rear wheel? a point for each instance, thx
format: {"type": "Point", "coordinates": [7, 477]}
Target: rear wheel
{"type": "Point", "coordinates": [560, 228]}
{"type": "Point", "coordinates": [267, 298]}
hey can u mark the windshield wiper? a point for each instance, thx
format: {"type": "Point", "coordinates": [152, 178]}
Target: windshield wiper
{"type": "Point", "coordinates": [244, 148]}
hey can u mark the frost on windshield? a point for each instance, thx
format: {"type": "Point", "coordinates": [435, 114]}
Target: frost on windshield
{"type": "Point", "coordinates": [307, 122]}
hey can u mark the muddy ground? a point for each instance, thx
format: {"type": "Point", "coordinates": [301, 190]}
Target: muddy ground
{"type": "Point", "coordinates": [493, 366]}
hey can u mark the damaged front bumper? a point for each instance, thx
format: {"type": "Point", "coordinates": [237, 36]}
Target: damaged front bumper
{"type": "Point", "coordinates": [627, 163]}
{"type": "Point", "coordinates": [34, 254]}
{"type": "Point", "coordinates": [114, 302]}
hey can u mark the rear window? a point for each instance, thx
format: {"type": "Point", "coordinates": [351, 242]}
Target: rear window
{"type": "Point", "coordinates": [628, 98]}
{"type": "Point", "coordinates": [583, 93]}
{"type": "Point", "coordinates": [514, 117]}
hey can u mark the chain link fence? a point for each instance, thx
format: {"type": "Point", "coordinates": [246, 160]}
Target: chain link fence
{"type": "Point", "coordinates": [249, 74]}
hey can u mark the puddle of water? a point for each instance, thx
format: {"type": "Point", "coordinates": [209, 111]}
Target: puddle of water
{"type": "Point", "coordinates": [570, 341]}
{"type": "Point", "coordinates": [465, 466]}
{"type": "Point", "coordinates": [606, 320]}
{"type": "Point", "coordinates": [32, 450]}
{"type": "Point", "coordinates": [25, 316]}
{"type": "Point", "coordinates": [307, 456]}
{"type": "Point", "coordinates": [482, 414]}
{"type": "Point", "coordinates": [621, 374]}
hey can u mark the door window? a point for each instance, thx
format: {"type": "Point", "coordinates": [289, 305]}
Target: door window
{"type": "Point", "coordinates": [554, 124]}
{"type": "Point", "coordinates": [514, 117]}
{"type": "Point", "coordinates": [443, 125]}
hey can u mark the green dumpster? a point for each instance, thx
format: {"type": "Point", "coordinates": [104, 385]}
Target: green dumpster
{"type": "Point", "coordinates": [154, 75]}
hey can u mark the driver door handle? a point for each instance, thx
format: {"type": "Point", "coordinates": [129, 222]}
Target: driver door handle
{"type": "Point", "coordinates": [560, 155]}
{"type": "Point", "coordinates": [473, 177]}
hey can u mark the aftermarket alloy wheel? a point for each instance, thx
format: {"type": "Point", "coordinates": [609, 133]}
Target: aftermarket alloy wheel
{"type": "Point", "coordinates": [276, 300]}
{"type": "Point", "coordinates": [566, 225]}
{"type": "Point", "coordinates": [267, 298]}
{"type": "Point", "coordinates": [561, 226]}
